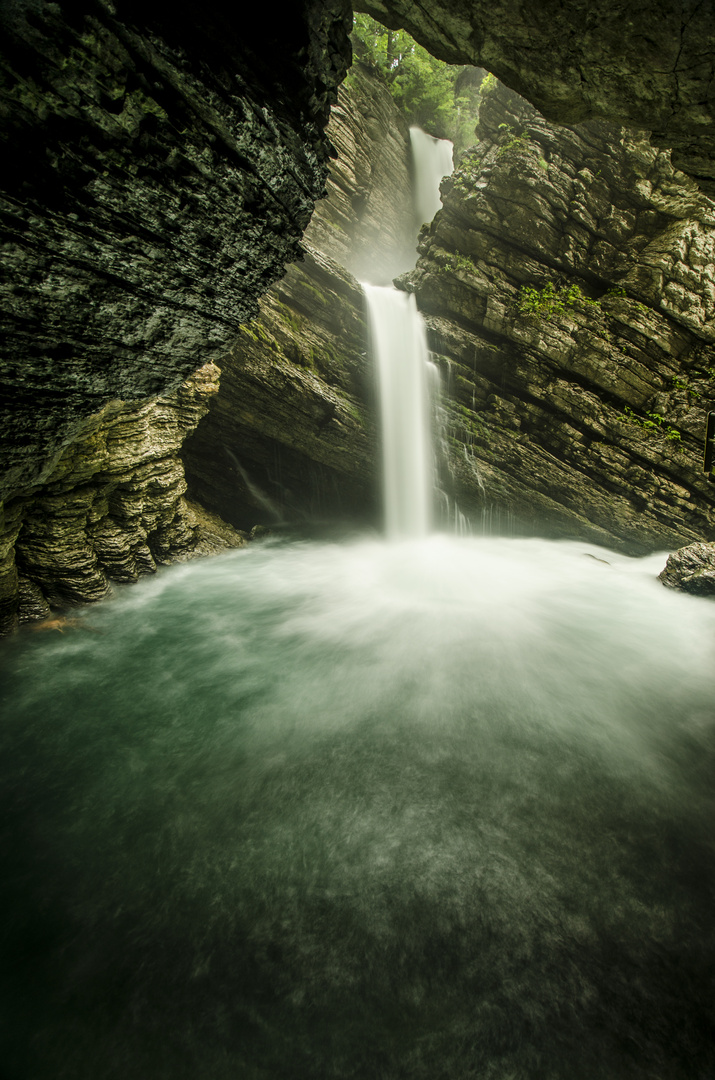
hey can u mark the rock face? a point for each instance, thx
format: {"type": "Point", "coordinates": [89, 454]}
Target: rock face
{"type": "Point", "coordinates": [291, 434]}
{"type": "Point", "coordinates": [568, 293]}
{"type": "Point", "coordinates": [647, 65]}
{"type": "Point", "coordinates": [112, 509]}
{"type": "Point", "coordinates": [568, 287]}
{"type": "Point", "coordinates": [691, 569]}
{"type": "Point", "coordinates": [159, 170]}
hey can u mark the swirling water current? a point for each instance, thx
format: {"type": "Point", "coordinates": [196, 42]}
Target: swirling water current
{"type": "Point", "coordinates": [433, 810]}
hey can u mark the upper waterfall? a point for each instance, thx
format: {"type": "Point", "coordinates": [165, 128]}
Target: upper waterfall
{"type": "Point", "coordinates": [431, 161]}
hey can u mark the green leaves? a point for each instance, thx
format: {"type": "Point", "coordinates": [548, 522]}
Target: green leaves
{"type": "Point", "coordinates": [424, 88]}
{"type": "Point", "coordinates": [653, 423]}
{"type": "Point", "coordinates": [551, 300]}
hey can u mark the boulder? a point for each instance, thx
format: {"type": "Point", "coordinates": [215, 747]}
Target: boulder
{"type": "Point", "coordinates": [691, 569]}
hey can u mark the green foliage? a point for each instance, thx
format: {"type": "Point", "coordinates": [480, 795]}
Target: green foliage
{"type": "Point", "coordinates": [681, 384]}
{"type": "Point", "coordinates": [459, 262]}
{"type": "Point", "coordinates": [510, 141]}
{"type": "Point", "coordinates": [489, 83]}
{"type": "Point", "coordinates": [551, 300]}
{"type": "Point", "coordinates": [428, 92]}
{"type": "Point", "coordinates": [654, 424]}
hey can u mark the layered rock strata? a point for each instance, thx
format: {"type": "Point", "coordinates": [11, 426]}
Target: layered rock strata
{"type": "Point", "coordinates": [569, 302]}
{"type": "Point", "coordinates": [568, 287]}
{"type": "Point", "coordinates": [367, 221]}
{"type": "Point", "coordinates": [112, 509]}
{"type": "Point", "coordinates": [646, 65]}
{"type": "Point", "coordinates": [159, 170]}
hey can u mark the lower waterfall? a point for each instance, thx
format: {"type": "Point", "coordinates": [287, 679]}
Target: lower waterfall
{"type": "Point", "coordinates": [399, 346]}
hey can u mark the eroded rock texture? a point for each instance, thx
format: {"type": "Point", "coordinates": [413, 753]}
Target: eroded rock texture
{"type": "Point", "coordinates": [691, 569]}
{"type": "Point", "coordinates": [112, 509]}
{"type": "Point", "coordinates": [159, 169]}
{"type": "Point", "coordinates": [568, 286]}
{"type": "Point", "coordinates": [573, 409]}
{"type": "Point", "coordinates": [647, 64]}
{"type": "Point", "coordinates": [291, 435]}
{"type": "Point", "coordinates": [367, 223]}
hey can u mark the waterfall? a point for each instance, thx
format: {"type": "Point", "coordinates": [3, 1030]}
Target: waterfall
{"type": "Point", "coordinates": [399, 346]}
{"type": "Point", "coordinates": [431, 160]}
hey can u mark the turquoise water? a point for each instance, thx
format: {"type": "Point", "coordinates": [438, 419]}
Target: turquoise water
{"type": "Point", "coordinates": [433, 810]}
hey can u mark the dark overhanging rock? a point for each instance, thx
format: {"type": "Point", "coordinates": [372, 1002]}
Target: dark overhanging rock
{"type": "Point", "coordinates": [648, 65]}
{"type": "Point", "coordinates": [159, 169]}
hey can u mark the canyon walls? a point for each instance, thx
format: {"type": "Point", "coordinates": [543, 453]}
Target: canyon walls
{"type": "Point", "coordinates": [567, 287]}
{"type": "Point", "coordinates": [160, 169]}
{"type": "Point", "coordinates": [292, 434]}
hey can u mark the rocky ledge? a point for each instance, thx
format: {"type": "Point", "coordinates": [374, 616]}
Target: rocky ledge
{"type": "Point", "coordinates": [112, 508]}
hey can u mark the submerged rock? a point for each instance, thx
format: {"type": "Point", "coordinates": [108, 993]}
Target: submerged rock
{"type": "Point", "coordinates": [691, 569]}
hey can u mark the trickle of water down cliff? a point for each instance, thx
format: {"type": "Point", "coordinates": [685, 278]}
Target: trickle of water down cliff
{"type": "Point", "coordinates": [430, 807]}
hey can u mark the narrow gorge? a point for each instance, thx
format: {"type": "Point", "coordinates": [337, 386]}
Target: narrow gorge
{"type": "Point", "coordinates": [353, 723]}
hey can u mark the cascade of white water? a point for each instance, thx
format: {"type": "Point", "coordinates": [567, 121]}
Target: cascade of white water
{"type": "Point", "coordinates": [399, 346]}
{"type": "Point", "coordinates": [431, 161]}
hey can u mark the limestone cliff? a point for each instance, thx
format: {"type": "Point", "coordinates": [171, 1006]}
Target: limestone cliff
{"type": "Point", "coordinates": [291, 436]}
{"type": "Point", "coordinates": [159, 170]}
{"type": "Point", "coordinates": [568, 291]}
{"type": "Point", "coordinates": [568, 287]}
{"type": "Point", "coordinates": [367, 222]}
